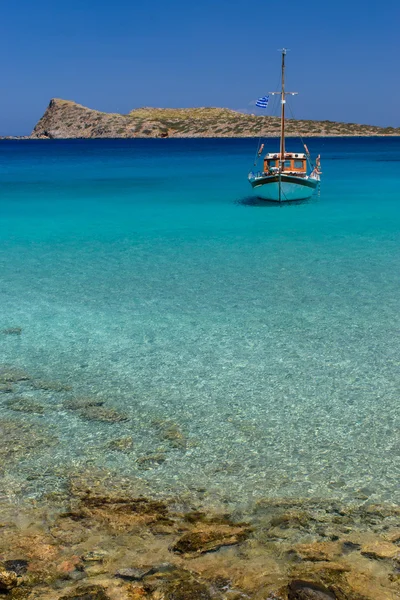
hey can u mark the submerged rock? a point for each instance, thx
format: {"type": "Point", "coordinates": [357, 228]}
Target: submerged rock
{"type": "Point", "coordinates": [19, 440]}
{"type": "Point", "coordinates": [103, 414]}
{"type": "Point", "coordinates": [305, 590]}
{"type": "Point", "coordinates": [87, 592]}
{"type": "Point", "coordinates": [292, 518]}
{"type": "Point", "coordinates": [111, 512]}
{"type": "Point", "coordinates": [171, 433]}
{"type": "Point", "coordinates": [82, 403]}
{"type": "Point", "coordinates": [348, 547]}
{"type": "Point", "coordinates": [12, 331]}
{"type": "Point", "coordinates": [95, 556]}
{"type": "Point", "coordinates": [8, 579]}
{"type": "Point", "coordinates": [24, 405]}
{"type": "Point", "coordinates": [18, 566]}
{"type": "Point", "coordinates": [96, 569]}
{"type": "Point", "coordinates": [6, 388]}
{"type": "Point", "coordinates": [187, 590]}
{"type": "Point", "coordinates": [148, 461]}
{"type": "Point", "coordinates": [137, 574]}
{"type": "Point", "coordinates": [393, 535]}
{"type": "Point", "coordinates": [381, 550]}
{"type": "Point", "coordinates": [115, 494]}
{"type": "Point", "coordinates": [319, 551]}
{"type": "Point", "coordinates": [93, 409]}
{"type": "Point", "coordinates": [132, 574]}
{"type": "Point", "coordinates": [124, 444]}
{"type": "Point", "coordinates": [100, 486]}
{"type": "Point", "coordinates": [69, 530]}
{"type": "Point", "coordinates": [51, 386]}
{"type": "Point", "coordinates": [209, 538]}
{"type": "Point", "coordinates": [12, 375]}
{"type": "Point", "coordinates": [69, 566]}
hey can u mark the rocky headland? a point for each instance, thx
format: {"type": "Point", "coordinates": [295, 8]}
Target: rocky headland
{"type": "Point", "coordinates": [64, 119]}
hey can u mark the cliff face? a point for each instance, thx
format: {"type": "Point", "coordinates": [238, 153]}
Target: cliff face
{"type": "Point", "coordinates": [66, 119]}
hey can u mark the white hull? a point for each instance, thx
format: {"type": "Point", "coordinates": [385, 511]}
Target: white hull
{"type": "Point", "coordinates": [289, 191]}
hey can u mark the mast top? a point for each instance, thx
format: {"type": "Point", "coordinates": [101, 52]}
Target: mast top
{"type": "Point", "coordinates": [283, 92]}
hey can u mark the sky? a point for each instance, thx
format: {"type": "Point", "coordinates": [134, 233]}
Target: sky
{"type": "Point", "coordinates": [115, 56]}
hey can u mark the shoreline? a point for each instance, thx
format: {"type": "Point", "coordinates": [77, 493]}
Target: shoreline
{"type": "Point", "coordinates": [177, 137]}
{"type": "Point", "coordinates": [105, 540]}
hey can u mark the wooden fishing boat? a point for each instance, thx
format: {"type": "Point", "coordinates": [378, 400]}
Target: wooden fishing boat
{"type": "Point", "coordinates": [286, 176]}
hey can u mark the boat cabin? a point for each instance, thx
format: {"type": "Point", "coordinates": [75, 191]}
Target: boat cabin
{"type": "Point", "coordinates": [295, 162]}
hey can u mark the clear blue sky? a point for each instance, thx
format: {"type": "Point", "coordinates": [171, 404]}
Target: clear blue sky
{"type": "Point", "coordinates": [115, 56]}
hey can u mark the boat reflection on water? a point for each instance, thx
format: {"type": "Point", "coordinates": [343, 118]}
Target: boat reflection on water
{"type": "Point", "coordinates": [263, 203]}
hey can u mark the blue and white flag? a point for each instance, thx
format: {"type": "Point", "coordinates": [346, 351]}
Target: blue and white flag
{"type": "Point", "coordinates": [262, 102]}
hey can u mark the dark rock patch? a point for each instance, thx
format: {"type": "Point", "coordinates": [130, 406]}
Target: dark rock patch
{"type": "Point", "coordinates": [170, 432]}
{"type": "Point", "coordinates": [82, 403]}
{"type": "Point", "coordinates": [18, 566]}
{"type": "Point", "coordinates": [12, 331]}
{"type": "Point", "coordinates": [148, 461]}
{"type": "Point", "coordinates": [138, 505]}
{"type": "Point", "coordinates": [87, 592]}
{"type": "Point", "coordinates": [19, 440]}
{"type": "Point", "coordinates": [124, 444]}
{"type": "Point", "coordinates": [348, 547]}
{"type": "Point", "coordinates": [292, 518]}
{"type": "Point", "coordinates": [6, 388]}
{"type": "Point", "coordinates": [12, 375]}
{"type": "Point", "coordinates": [132, 574]}
{"type": "Point", "coordinates": [99, 485]}
{"type": "Point", "coordinates": [187, 590]}
{"type": "Point", "coordinates": [24, 405]}
{"type": "Point", "coordinates": [137, 574]}
{"type": "Point", "coordinates": [103, 414]}
{"type": "Point", "coordinates": [305, 590]}
{"type": "Point", "coordinates": [51, 386]}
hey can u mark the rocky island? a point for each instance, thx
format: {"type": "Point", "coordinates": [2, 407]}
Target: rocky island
{"type": "Point", "coordinates": [65, 119]}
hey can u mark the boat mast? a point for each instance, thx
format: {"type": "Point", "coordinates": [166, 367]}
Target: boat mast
{"type": "Point", "coordinates": [282, 149]}
{"type": "Point", "coordinates": [283, 95]}
{"type": "Point", "coordinates": [283, 102]}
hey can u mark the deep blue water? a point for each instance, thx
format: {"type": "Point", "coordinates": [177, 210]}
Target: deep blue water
{"type": "Point", "coordinates": [145, 273]}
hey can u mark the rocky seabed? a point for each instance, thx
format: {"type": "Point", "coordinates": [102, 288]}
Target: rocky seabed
{"type": "Point", "coordinates": [105, 537]}
{"type": "Point", "coordinates": [103, 541]}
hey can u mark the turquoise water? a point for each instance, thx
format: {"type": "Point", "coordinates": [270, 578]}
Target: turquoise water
{"type": "Point", "coordinates": [143, 273]}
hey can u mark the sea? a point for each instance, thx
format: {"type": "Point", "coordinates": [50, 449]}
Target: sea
{"type": "Point", "coordinates": [174, 329]}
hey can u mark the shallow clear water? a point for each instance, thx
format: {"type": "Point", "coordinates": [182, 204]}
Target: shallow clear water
{"type": "Point", "coordinates": [143, 272]}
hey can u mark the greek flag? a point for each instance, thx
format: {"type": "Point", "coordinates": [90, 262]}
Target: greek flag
{"type": "Point", "coordinates": [262, 102]}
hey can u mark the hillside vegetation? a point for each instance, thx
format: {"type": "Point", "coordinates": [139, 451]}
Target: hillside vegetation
{"type": "Point", "coordinates": [66, 119]}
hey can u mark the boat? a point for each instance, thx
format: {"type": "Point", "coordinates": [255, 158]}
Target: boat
{"type": "Point", "coordinates": [286, 176]}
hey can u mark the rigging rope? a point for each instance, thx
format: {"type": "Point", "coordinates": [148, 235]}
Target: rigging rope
{"type": "Point", "coordinates": [308, 156]}
{"type": "Point", "coordinates": [274, 103]}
